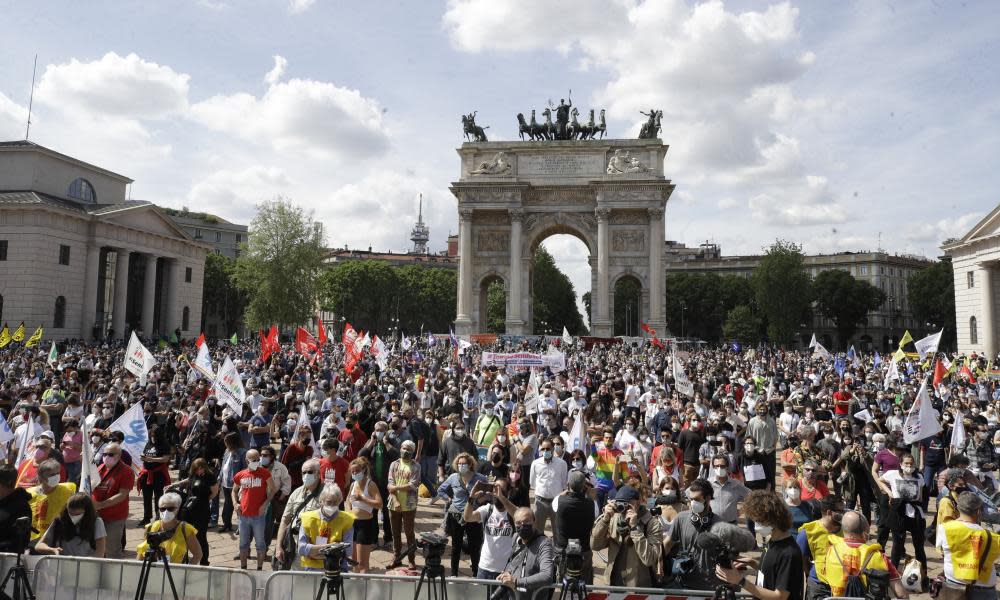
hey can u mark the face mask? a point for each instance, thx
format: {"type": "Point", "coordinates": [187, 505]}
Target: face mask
{"type": "Point", "coordinates": [720, 473]}
{"type": "Point", "coordinates": [429, 421]}
{"type": "Point", "coordinates": [379, 435]}
{"type": "Point", "coordinates": [41, 453]}
{"type": "Point", "coordinates": [501, 439]}
{"type": "Point", "coordinates": [53, 481]}
{"type": "Point", "coordinates": [578, 464]}
{"type": "Point", "coordinates": [630, 428]}
{"type": "Point", "coordinates": [106, 413]}
{"type": "Point", "coordinates": [463, 469]}
{"type": "Point", "coordinates": [880, 445]}
{"type": "Point", "coordinates": [764, 530]}
{"type": "Point", "coordinates": [675, 426]}
{"type": "Point", "coordinates": [265, 460]}
{"type": "Point", "coordinates": [749, 449]}
{"type": "Point", "coordinates": [253, 464]}
{"type": "Point", "coordinates": [329, 511]}
{"type": "Point", "coordinates": [95, 440]}
{"type": "Point", "coordinates": [168, 515]}
{"type": "Point", "coordinates": [908, 470]}
{"type": "Point", "coordinates": [309, 479]}
{"type": "Point", "coordinates": [547, 454]}
{"type": "Point", "coordinates": [407, 454]}
{"type": "Point", "coordinates": [75, 519]}
{"type": "Point", "coordinates": [459, 433]}
{"type": "Point", "coordinates": [358, 476]}
{"type": "Point", "coordinates": [793, 494]}
{"type": "Point", "coordinates": [558, 450]}
{"type": "Point", "coordinates": [110, 461]}
{"type": "Point", "coordinates": [697, 507]}
{"type": "Point", "coordinates": [526, 531]}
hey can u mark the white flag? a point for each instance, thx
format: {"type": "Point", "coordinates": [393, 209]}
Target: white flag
{"type": "Point", "coordinates": [578, 435]}
{"type": "Point", "coordinates": [53, 354]}
{"type": "Point", "coordinates": [958, 433]}
{"type": "Point", "coordinates": [681, 381]}
{"type": "Point", "coordinates": [229, 387]}
{"type": "Point", "coordinates": [567, 338]}
{"type": "Point", "coordinates": [531, 394]}
{"type": "Point", "coordinates": [463, 345]}
{"type": "Point", "coordinates": [405, 343]}
{"type": "Point", "coordinates": [89, 476]}
{"type": "Point", "coordinates": [813, 342]}
{"type": "Point", "coordinates": [6, 435]}
{"type": "Point", "coordinates": [132, 424]}
{"type": "Point", "coordinates": [864, 415]}
{"type": "Point", "coordinates": [138, 360]}
{"type": "Point", "coordinates": [945, 362]}
{"type": "Point", "coordinates": [929, 344]}
{"type": "Point", "coordinates": [892, 373]}
{"type": "Point", "coordinates": [304, 420]}
{"type": "Point", "coordinates": [820, 351]}
{"type": "Point", "coordinates": [380, 352]}
{"type": "Point", "coordinates": [203, 362]}
{"type": "Point", "coordinates": [26, 440]}
{"type": "Point", "coordinates": [920, 422]}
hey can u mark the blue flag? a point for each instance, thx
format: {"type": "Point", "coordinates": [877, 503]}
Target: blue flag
{"type": "Point", "coordinates": [878, 360]}
{"type": "Point", "coordinates": [430, 339]}
{"type": "Point", "coordinates": [839, 365]}
{"type": "Point", "coordinates": [737, 347]}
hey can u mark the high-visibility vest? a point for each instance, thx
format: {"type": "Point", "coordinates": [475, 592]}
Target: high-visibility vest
{"type": "Point", "coordinates": [316, 527]}
{"type": "Point", "coordinates": [842, 561]}
{"type": "Point", "coordinates": [819, 540]}
{"type": "Point", "coordinates": [966, 545]}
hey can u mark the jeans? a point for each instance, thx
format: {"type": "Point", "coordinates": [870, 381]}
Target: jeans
{"type": "Point", "coordinates": [227, 507]}
{"type": "Point", "coordinates": [457, 531]}
{"type": "Point", "coordinates": [915, 526]}
{"type": "Point", "coordinates": [151, 496]}
{"type": "Point", "coordinates": [428, 473]}
{"type": "Point", "coordinates": [253, 528]}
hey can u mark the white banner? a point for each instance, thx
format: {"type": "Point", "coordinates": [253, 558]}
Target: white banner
{"type": "Point", "coordinates": [958, 434]}
{"type": "Point", "coordinates": [891, 373]}
{"type": "Point", "coordinates": [380, 352]}
{"type": "Point", "coordinates": [821, 352]}
{"type": "Point", "coordinates": [929, 344]}
{"type": "Point", "coordinates": [553, 360]}
{"type": "Point", "coordinates": [567, 339]}
{"type": "Point", "coordinates": [681, 381]}
{"type": "Point", "coordinates": [203, 362]}
{"type": "Point", "coordinates": [921, 422]}
{"type": "Point", "coordinates": [138, 360]}
{"type": "Point", "coordinates": [132, 424]}
{"type": "Point", "coordinates": [229, 387]}
{"type": "Point", "coordinates": [89, 476]}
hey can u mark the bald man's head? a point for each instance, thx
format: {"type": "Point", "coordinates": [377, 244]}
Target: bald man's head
{"type": "Point", "coordinates": [854, 526]}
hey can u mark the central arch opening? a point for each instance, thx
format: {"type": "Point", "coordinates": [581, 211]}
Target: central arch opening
{"type": "Point", "coordinates": [627, 300]}
{"type": "Point", "coordinates": [560, 279]}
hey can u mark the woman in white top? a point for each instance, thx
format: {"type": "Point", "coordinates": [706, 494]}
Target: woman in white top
{"type": "Point", "coordinates": [904, 516]}
{"type": "Point", "coordinates": [362, 501]}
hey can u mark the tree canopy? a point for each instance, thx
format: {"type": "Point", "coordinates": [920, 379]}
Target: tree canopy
{"type": "Point", "coordinates": [553, 298]}
{"type": "Point", "coordinates": [782, 288]}
{"type": "Point", "coordinates": [742, 325]}
{"type": "Point", "coordinates": [845, 300]}
{"type": "Point", "coordinates": [931, 293]}
{"type": "Point", "coordinates": [221, 295]}
{"type": "Point", "coordinates": [702, 300]}
{"type": "Point", "coordinates": [279, 267]}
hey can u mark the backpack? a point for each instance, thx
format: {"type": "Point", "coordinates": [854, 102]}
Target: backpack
{"type": "Point", "coordinates": [856, 587]}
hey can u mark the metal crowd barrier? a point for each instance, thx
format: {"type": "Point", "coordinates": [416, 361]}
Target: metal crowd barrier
{"type": "Point", "coordinates": [303, 585]}
{"type": "Point", "coordinates": [608, 592]}
{"type": "Point", "coordinates": [76, 578]}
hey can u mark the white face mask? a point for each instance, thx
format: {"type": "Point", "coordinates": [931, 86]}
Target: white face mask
{"type": "Point", "coordinates": [793, 494]}
{"type": "Point", "coordinates": [309, 479]}
{"type": "Point", "coordinates": [53, 481]}
{"type": "Point", "coordinates": [764, 530]}
{"type": "Point", "coordinates": [697, 507]}
{"type": "Point", "coordinates": [329, 511]}
{"type": "Point", "coordinates": [909, 469]}
{"type": "Point", "coordinates": [168, 515]}
{"type": "Point", "coordinates": [719, 472]}
{"type": "Point", "coordinates": [253, 464]}
{"type": "Point", "coordinates": [75, 519]}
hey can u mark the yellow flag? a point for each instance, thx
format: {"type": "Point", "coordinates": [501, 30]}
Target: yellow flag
{"type": "Point", "coordinates": [18, 335]}
{"type": "Point", "coordinates": [898, 356]}
{"type": "Point", "coordinates": [35, 338]}
{"type": "Point", "coordinates": [4, 336]}
{"type": "Point", "coordinates": [906, 339]}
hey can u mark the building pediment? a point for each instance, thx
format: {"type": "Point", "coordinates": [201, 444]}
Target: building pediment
{"type": "Point", "coordinates": [146, 218]}
{"type": "Point", "coordinates": [988, 227]}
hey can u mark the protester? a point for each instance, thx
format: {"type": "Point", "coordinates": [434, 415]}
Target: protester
{"type": "Point", "coordinates": [253, 489]}
{"type": "Point", "coordinates": [970, 553]}
{"type": "Point", "coordinates": [496, 513]}
{"type": "Point", "coordinates": [303, 499]}
{"type": "Point", "coordinates": [77, 531]}
{"type": "Point", "coordinates": [324, 527]}
{"type": "Point", "coordinates": [111, 497]}
{"type": "Point", "coordinates": [632, 537]}
{"type": "Point", "coordinates": [852, 556]}
{"type": "Point", "coordinates": [530, 567]}
{"type": "Point", "coordinates": [457, 489]}
{"type": "Point", "coordinates": [363, 502]}
{"type": "Point", "coordinates": [48, 497]}
{"type": "Point", "coordinates": [202, 487]}
{"type": "Point", "coordinates": [182, 545]}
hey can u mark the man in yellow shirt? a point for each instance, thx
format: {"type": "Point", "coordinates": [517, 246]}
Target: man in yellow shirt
{"type": "Point", "coordinates": [969, 552]}
{"type": "Point", "coordinates": [48, 497]}
{"type": "Point", "coordinates": [852, 555]}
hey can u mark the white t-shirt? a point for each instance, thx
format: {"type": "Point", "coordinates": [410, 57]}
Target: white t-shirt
{"type": "Point", "coordinates": [788, 421]}
{"type": "Point", "coordinates": [498, 536]}
{"type": "Point", "coordinates": [905, 487]}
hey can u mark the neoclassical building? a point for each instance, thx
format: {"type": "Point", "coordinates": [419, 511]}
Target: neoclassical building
{"type": "Point", "coordinates": [975, 259]}
{"type": "Point", "coordinates": [80, 260]}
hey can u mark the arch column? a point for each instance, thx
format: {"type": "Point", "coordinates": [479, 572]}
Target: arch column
{"type": "Point", "coordinates": [655, 314]}
{"type": "Point", "coordinates": [463, 318]}
{"type": "Point", "coordinates": [515, 322]}
{"type": "Point", "coordinates": [602, 325]}
{"type": "Point", "coordinates": [89, 316]}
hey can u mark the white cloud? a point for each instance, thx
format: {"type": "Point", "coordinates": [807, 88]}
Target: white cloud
{"type": "Point", "coordinates": [13, 118]}
{"type": "Point", "coordinates": [300, 115]}
{"type": "Point", "coordinates": [809, 203]}
{"type": "Point", "coordinates": [299, 6]}
{"type": "Point", "coordinates": [935, 232]}
{"type": "Point", "coordinates": [274, 75]}
{"type": "Point", "coordinates": [115, 87]}
{"type": "Point", "coordinates": [234, 194]}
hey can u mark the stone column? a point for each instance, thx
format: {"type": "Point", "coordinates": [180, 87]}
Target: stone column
{"type": "Point", "coordinates": [656, 292]}
{"type": "Point", "coordinates": [90, 292]}
{"type": "Point", "coordinates": [987, 328]}
{"type": "Point", "coordinates": [463, 318]}
{"type": "Point", "coordinates": [602, 323]}
{"type": "Point", "coordinates": [515, 322]}
{"type": "Point", "coordinates": [121, 292]}
{"type": "Point", "coordinates": [171, 309]}
{"type": "Point", "coordinates": [149, 296]}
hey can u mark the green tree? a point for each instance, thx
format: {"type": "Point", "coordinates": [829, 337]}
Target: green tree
{"type": "Point", "coordinates": [697, 303]}
{"type": "Point", "coordinates": [553, 297]}
{"type": "Point", "coordinates": [742, 325]}
{"type": "Point", "coordinates": [628, 293]}
{"type": "Point", "coordinates": [281, 264]}
{"type": "Point", "coordinates": [931, 293]}
{"type": "Point", "coordinates": [221, 296]}
{"type": "Point", "coordinates": [587, 306]}
{"type": "Point", "coordinates": [781, 287]}
{"type": "Point", "coordinates": [496, 308]}
{"type": "Point", "coordinates": [845, 300]}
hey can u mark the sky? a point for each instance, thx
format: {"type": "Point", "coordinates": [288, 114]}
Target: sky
{"type": "Point", "coordinates": [836, 125]}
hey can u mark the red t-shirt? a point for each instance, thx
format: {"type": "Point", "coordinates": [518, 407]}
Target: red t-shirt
{"type": "Point", "coordinates": [334, 471]}
{"type": "Point", "coordinates": [841, 402]}
{"type": "Point", "coordinates": [118, 478]}
{"type": "Point", "coordinates": [355, 439]}
{"type": "Point", "coordinates": [253, 490]}
{"type": "Point", "coordinates": [818, 492]}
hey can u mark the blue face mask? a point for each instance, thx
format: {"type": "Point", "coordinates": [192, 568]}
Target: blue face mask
{"type": "Point", "coordinates": [358, 476]}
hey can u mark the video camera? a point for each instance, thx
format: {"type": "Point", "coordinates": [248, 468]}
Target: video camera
{"type": "Point", "coordinates": [155, 538]}
{"type": "Point", "coordinates": [713, 545]}
{"type": "Point", "coordinates": [432, 547]}
{"type": "Point", "coordinates": [573, 558]}
{"type": "Point", "coordinates": [334, 556]}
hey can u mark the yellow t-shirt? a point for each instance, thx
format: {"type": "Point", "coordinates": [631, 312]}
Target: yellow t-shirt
{"type": "Point", "coordinates": [176, 547]}
{"type": "Point", "coordinates": [46, 507]}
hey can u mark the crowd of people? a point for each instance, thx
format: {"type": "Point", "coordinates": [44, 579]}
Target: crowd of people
{"type": "Point", "coordinates": [788, 452]}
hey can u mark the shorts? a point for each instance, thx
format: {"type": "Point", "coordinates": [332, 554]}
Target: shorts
{"type": "Point", "coordinates": [366, 531]}
{"type": "Point", "coordinates": [253, 528]}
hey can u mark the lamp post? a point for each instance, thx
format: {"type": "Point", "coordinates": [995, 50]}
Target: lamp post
{"type": "Point", "coordinates": [628, 319]}
{"type": "Point", "coordinates": [683, 308]}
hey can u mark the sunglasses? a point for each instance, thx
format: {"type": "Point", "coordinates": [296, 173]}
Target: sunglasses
{"type": "Point", "coordinates": [169, 508]}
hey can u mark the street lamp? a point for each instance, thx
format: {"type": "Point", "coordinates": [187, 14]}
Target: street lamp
{"type": "Point", "coordinates": [628, 319]}
{"type": "Point", "coordinates": [683, 308]}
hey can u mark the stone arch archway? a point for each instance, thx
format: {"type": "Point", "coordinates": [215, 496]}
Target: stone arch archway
{"type": "Point", "coordinates": [548, 188]}
{"type": "Point", "coordinates": [627, 313]}
{"type": "Point", "coordinates": [482, 296]}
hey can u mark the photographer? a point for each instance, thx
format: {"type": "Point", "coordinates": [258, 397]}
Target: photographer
{"type": "Point", "coordinates": [496, 513]}
{"type": "Point", "coordinates": [780, 568]}
{"type": "Point", "coordinates": [181, 543]}
{"type": "Point", "coordinates": [323, 528]}
{"type": "Point", "coordinates": [530, 567]}
{"type": "Point", "coordinates": [14, 505]}
{"type": "Point", "coordinates": [687, 528]}
{"type": "Point", "coordinates": [631, 535]}
{"type": "Point", "coordinates": [575, 514]}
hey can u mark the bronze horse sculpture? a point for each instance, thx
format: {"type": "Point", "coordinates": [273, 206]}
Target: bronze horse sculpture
{"type": "Point", "coordinates": [469, 127]}
{"type": "Point", "coordinates": [533, 129]}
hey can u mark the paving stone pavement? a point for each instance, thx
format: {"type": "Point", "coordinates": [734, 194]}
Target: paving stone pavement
{"type": "Point", "coordinates": [224, 547]}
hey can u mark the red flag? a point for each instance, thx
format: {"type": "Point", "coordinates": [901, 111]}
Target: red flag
{"type": "Point", "coordinates": [266, 344]}
{"type": "Point", "coordinates": [647, 329]}
{"type": "Point", "coordinates": [657, 342]}
{"type": "Point", "coordinates": [200, 340]}
{"type": "Point", "coordinates": [321, 331]}
{"type": "Point", "coordinates": [305, 343]}
{"type": "Point", "coordinates": [967, 372]}
{"type": "Point", "coordinates": [939, 372]}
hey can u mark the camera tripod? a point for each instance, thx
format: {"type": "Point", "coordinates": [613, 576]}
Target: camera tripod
{"type": "Point", "coordinates": [22, 586]}
{"type": "Point", "coordinates": [573, 588]}
{"type": "Point", "coordinates": [432, 573]}
{"type": "Point", "coordinates": [332, 584]}
{"type": "Point", "coordinates": [155, 553]}
{"type": "Point", "coordinates": [724, 592]}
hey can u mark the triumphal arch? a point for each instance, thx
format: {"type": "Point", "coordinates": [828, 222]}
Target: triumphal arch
{"type": "Point", "coordinates": [609, 193]}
